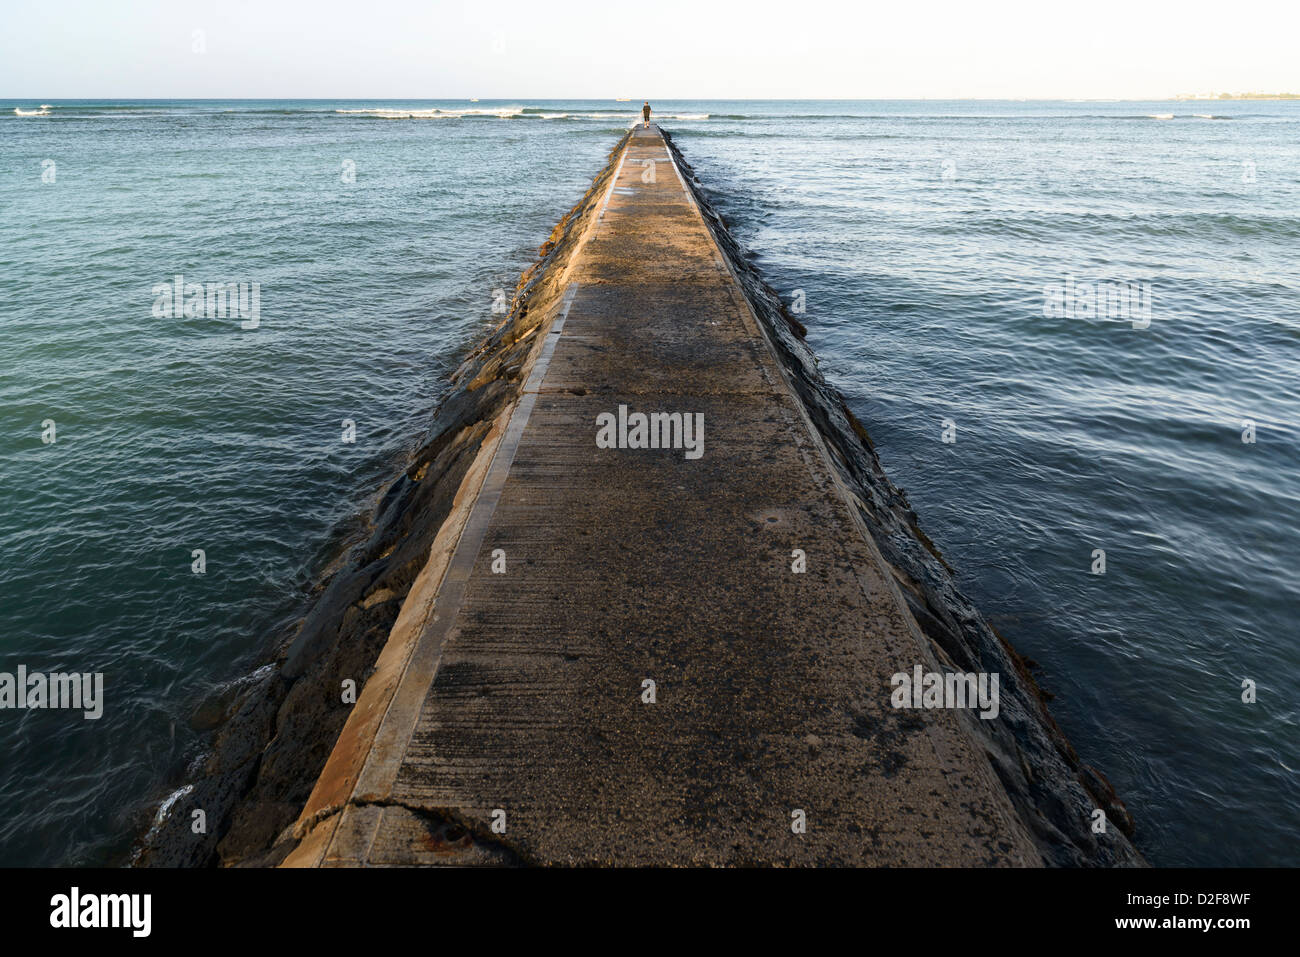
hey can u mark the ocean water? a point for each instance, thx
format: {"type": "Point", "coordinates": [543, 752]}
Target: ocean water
{"type": "Point", "coordinates": [923, 239]}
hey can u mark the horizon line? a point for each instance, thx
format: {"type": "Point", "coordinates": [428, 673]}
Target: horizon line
{"type": "Point", "coordinates": [697, 99]}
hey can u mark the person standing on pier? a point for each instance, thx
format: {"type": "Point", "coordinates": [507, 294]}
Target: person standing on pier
{"type": "Point", "coordinates": [645, 114]}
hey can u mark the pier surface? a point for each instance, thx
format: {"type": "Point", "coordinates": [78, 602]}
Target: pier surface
{"type": "Point", "coordinates": [519, 729]}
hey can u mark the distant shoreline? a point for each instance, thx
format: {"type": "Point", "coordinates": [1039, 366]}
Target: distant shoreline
{"type": "Point", "coordinates": [1241, 96]}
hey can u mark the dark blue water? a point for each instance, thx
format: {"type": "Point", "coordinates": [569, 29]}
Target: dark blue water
{"type": "Point", "coordinates": [922, 236]}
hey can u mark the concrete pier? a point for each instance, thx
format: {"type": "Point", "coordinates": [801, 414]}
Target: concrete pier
{"type": "Point", "coordinates": [644, 655]}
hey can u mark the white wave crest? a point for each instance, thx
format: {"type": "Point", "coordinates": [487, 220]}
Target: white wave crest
{"type": "Point", "coordinates": [434, 114]}
{"type": "Point", "coordinates": [507, 112]}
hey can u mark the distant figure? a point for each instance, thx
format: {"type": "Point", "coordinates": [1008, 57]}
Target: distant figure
{"type": "Point", "coordinates": [645, 114]}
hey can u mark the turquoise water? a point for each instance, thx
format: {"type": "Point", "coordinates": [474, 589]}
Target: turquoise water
{"type": "Point", "coordinates": [923, 236]}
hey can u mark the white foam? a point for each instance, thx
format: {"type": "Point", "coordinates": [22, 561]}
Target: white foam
{"type": "Point", "coordinates": [434, 114]}
{"type": "Point", "coordinates": [43, 111]}
{"type": "Point", "coordinates": [508, 112]}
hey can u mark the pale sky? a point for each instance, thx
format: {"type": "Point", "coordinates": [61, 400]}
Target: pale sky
{"type": "Point", "coordinates": [655, 49]}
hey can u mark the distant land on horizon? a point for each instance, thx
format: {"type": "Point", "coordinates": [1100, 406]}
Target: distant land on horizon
{"type": "Point", "coordinates": [1238, 96]}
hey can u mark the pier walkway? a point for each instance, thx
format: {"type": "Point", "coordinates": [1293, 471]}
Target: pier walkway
{"type": "Point", "coordinates": [730, 573]}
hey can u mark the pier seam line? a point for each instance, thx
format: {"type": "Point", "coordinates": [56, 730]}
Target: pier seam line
{"type": "Point", "coordinates": [368, 767]}
{"type": "Point", "coordinates": [538, 373]}
{"type": "Point", "coordinates": [386, 780]}
{"type": "Point", "coordinates": [451, 592]}
{"type": "Point", "coordinates": [609, 190]}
